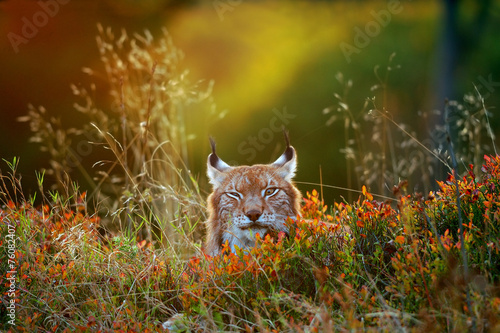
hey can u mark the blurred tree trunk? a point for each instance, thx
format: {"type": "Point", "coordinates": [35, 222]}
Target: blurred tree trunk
{"type": "Point", "coordinates": [457, 40]}
{"type": "Point", "coordinates": [447, 54]}
{"type": "Point", "coordinates": [446, 63]}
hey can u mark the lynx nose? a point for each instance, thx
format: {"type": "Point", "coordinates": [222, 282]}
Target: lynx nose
{"type": "Point", "coordinates": [253, 215]}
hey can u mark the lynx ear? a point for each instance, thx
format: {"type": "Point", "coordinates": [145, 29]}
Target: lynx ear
{"type": "Point", "coordinates": [287, 162]}
{"type": "Point", "coordinates": [215, 166]}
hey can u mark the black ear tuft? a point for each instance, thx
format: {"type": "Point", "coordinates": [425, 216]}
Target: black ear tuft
{"type": "Point", "coordinates": [216, 167]}
{"type": "Point", "coordinates": [212, 144]}
{"type": "Point", "coordinates": [289, 151]}
{"type": "Point", "coordinates": [285, 134]}
{"type": "Point", "coordinates": [287, 162]}
{"type": "Point", "coordinates": [213, 158]}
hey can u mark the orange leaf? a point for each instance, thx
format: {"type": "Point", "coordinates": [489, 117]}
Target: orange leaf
{"type": "Point", "coordinates": [366, 193]}
{"type": "Point", "coordinates": [400, 239]}
{"type": "Point", "coordinates": [360, 224]}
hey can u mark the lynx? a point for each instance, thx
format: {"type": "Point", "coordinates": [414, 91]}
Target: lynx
{"type": "Point", "coordinates": [249, 200]}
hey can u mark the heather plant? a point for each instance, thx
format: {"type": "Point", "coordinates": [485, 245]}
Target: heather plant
{"type": "Point", "coordinates": [367, 265]}
{"type": "Point", "coordinates": [479, 203]}
{"type": "Point", "coordinates": [68, 277]}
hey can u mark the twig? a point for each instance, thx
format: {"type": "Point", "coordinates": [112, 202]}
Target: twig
{"type": "Point", "coordinates": [414, 139]}
{"type": "Point", "coordinates": [346, 189]}
{"type": "Point", "coordinates": [490, 131]}
{"type": "Point", "coordinates": [459, 208]}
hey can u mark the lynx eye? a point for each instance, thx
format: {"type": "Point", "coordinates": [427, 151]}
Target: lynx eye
{"type": "Point", "coordinates": [234, 195]}
{"type": "Point", "coordinates": [270, 191]}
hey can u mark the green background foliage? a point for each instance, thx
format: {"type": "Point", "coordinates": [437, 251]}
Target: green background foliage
{"type": "Point", "coordinates": [262, 57]}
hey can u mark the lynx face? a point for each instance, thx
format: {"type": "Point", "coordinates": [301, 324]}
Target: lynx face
{"type": "Point", "coordinates": [249, 200]}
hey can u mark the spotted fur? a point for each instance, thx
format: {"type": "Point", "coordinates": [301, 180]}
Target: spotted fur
{"type": "Point", "coordinates": [247, 200]}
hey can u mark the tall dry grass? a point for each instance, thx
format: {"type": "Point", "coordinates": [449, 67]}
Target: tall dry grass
{"type": "Point", "coordinates": [381, 151]}
{"type": "Point", "coordinates": [144, 183]}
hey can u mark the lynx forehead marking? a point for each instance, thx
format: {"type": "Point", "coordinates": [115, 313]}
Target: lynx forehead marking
{"type": "Point", "coordinates": [247, 200]}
